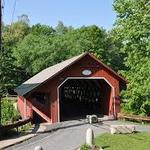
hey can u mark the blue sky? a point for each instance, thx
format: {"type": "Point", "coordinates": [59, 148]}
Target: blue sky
{"type": "Point", "coordinates": [72, 12]}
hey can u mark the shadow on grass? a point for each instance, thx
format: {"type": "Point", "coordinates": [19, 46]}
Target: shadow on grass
{"type": "Point", "coordinates": [105, 147]}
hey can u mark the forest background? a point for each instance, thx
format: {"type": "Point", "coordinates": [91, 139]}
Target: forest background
{"type": "Point", "coordinates": [27, 49]}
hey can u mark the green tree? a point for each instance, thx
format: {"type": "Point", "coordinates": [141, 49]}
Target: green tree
{"type": "Point", "coordinates": [24, 18]}
{"type": "Point", "coordinates": [133, 28]}
{"type": "Point", "coordinates": [44, 47]}
{"type": "Point", "coordinates": [12, 35]}
{"type": "Point", "coordinates": [9, 113]}
{"type": "Point", "coordinates": [6, 71]}
{"type": "Point", "coordinates": [61, 28]}
{"type": "Point", "coordinates": [32, 53]}
{"type": "Point", "coordinates": [15, 33]}
{"type": "Point", "coordinates": [97, 41]}
{"type": "Point", "coordinates": [39, 29]}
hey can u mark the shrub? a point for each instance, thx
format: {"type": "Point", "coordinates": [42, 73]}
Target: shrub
{"type": "Point", "coordinates": [8, 112]}
{"type": "Point", "coordinates": [84, 147]}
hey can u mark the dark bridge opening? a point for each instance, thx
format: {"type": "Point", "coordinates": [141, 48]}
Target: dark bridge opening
{"type": "Point", "coordinates": [81, 97]}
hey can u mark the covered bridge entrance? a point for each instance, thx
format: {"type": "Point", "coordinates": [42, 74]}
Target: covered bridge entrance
{"type": "Point", "coordinates": [74, 88]}
{"type": "Point", "coordinates": [79, 97]}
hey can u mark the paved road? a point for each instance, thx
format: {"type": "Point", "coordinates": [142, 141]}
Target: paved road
{"type": "Point", "coordinates": [67, 138]}
{"type": "Point", "coordinates": [63, 139]}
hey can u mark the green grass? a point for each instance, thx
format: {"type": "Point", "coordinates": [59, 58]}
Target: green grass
{"type": "Point", "coordinates": [136, 141]}
{"type": "Point", "coordinates": [84, 147]}
{"type": "Point", "coordinates": [25, 128]}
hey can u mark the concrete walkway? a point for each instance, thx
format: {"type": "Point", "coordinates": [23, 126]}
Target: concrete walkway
{"type": "Point", "coordinates": [15, 139]}
{"type": "Point", "coordinates": [67, 136]}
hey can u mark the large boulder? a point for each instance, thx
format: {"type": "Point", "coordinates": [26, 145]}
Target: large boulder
{"type": "Point", "coordinates": [122, 129]}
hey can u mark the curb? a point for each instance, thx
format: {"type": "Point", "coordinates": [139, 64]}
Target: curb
{"type": "Point", "coordinates": [60, 125]}
{"type": "Point", "coordinates": [18, 142]}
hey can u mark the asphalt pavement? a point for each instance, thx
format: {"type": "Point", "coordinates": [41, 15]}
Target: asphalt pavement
{"type": "Point", "coordinates": [69, 137]}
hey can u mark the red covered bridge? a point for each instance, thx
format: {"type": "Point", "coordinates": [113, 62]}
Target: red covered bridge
{"type": "Point", "coordinates": [71, 89]}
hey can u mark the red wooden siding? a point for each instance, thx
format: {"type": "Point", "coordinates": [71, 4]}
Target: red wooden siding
{"type": "Point", "coordinates": [50, 110]}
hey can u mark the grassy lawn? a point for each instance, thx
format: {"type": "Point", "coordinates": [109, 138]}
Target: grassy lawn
{"type": "Point", "coordinates": [136, 141]}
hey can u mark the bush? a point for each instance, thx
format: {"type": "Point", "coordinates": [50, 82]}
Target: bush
{"type": "Point", "coordinates": [9, 113]}
{"type": "Point", "coordinates": [84, 147]}
{"type": "Point", "coordinates": [25, 127]}
{"type": "Point", "coordinates": [146, 108]}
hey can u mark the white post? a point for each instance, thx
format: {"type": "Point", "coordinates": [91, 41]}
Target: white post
{"type": "Point", "coordinates": [89, 137]}
{"type": "Point", "coordinates": [38, 148]}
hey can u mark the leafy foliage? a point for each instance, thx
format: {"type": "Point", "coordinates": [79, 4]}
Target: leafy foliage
{"type": "Point", "coordinates": [12, 35]}
{"type": "Point", "coordinates": [9, 113]}
{"type": "Point", "coordinates": [84, 147]}
{"type": "Point", "coordinates": [126, 48]}
{"type": "Point", "coordinates": [44, 46]}
{"type": "Point", "coordinates": [133, 28]}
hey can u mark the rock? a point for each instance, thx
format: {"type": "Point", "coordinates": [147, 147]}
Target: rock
{"type": "Point", "coordinates": [89, 137]}
{"type": "Point", "coordinates": [113, 130]}
{"type": "Point", "coordinates": [121, 129]}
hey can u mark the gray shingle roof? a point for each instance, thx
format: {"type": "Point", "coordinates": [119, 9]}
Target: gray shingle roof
{"type": "Point", "coordinates": [44, 75]}
{"type": "Point", "coordinates": [49, 72]}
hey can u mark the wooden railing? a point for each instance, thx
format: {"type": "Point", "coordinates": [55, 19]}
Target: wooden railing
{"type": "Point", "coordinates": [15, 125]}
{"type": "Point", "coordinates": [133, 117]}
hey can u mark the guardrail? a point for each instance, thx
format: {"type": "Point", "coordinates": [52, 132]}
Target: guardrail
{"type": "Point", "coordinates": [133, 117]}
{"type": "Point", "coordinates": [15, 125]}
